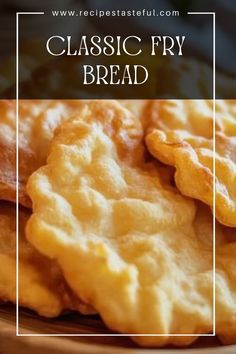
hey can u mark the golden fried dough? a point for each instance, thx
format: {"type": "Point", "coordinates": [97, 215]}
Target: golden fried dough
{"type": "Point", "coordinates": [137, 107]}
{"type": "Point", "coordinates": [181, 135]}
{"type": "Point", "coordinates": [41, 284]}
{"type": "Point", "coordinates": [7, 150]}
{"type": "Point", "coordinates": [37, 121]}
{"type": "Point", "coordinates": [99, 206]}
{"type": "Point", "coordinates": [8, 155]}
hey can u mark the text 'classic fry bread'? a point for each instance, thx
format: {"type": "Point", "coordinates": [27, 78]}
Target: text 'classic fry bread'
{"type": "Point", "coordinates": [181, 135]}
{"type": "Point", "coordinates": [99, 205]}
{"type": "Point", "coordinates": [41, 284]}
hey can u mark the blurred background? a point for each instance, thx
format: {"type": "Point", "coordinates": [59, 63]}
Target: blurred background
{"type": "Point", "coordinates": [198, 29]}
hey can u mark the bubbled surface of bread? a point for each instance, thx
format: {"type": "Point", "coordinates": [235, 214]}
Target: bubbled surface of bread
{"type": "Point", "coordinates": [41, 284]}
{"type": "Point", "coordinates": [180, 134]}
{"type": "Point", "coordinates": [129, 244]}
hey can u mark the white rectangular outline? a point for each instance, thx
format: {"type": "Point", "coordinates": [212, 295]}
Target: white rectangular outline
{"type": "Point", "coordinates": [17, 211]}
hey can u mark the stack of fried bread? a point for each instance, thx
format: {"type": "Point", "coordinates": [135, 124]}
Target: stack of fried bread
{"type": "Point", "coordinates": [116, 217]}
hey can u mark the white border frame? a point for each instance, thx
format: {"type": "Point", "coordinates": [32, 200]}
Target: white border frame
{"type": "Point", "coordinates": [18, 334]}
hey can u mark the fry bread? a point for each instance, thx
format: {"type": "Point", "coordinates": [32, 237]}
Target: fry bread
{"type": "Point", "coordinates": [137, 107]}
{"type": "Point", "coordinates": [98, 205]}
{"type": "Point", "coordinates": [7, 150]}
{"type": "Point", "coordinates": [41, 284]}
{"type": "Point", "coordinates": [37, 121]}
{"type": "Point", "coordinates": [180, 134]}
{"type": "Point", "coordinates": [225, 274]}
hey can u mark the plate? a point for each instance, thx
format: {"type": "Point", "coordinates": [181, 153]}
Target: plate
{"type": "Point", "coordinates": [34, 325]}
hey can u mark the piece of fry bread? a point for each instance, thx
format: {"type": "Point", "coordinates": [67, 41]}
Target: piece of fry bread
{"type": "Point", "coordinates": [180, 134]}
{"type": "Point", "coordinates": [37, 121]}
{"type": "Point", "coordinates": [41, 285]}
{"type": "Point", "coordinates": [98, 205]}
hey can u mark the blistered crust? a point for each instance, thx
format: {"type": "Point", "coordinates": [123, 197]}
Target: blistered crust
{"type": "Point", "coordinates": [128, 243]}
{"type": "Point", "coordinates": [37, 121]}
{"type": "Point", "coordinates": [180, 134]}
{"type": "Point", "coordinates": [41, 285]}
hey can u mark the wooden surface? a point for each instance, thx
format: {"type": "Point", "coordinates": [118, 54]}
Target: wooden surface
{"type": "Point", "coordinates": [70, 323]}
